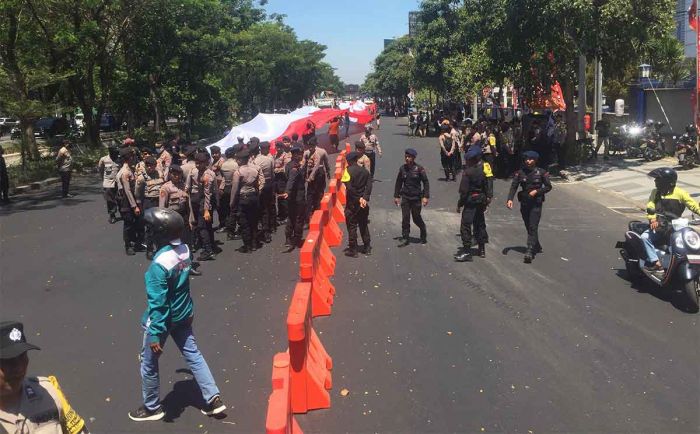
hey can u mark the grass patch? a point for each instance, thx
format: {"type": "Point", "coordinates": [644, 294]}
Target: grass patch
{"type": "Point", "coordinates": [45, 167]}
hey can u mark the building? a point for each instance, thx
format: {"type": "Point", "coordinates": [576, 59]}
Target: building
{"type": "Point", "coordinates": [388, 42]}
{"type": "Point", "coordinates": [684, 33]}
{"type": "Point", "coordinates": [413, 23]}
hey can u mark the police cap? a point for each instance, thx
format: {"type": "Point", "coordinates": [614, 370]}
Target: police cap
{"type": "Point", "coordinates": [13, 342]}
{"type": "Point", "coordinates": [531, 155]}
{"type": "Point", "coordinates": [243, 154]}
{"type": "Point", "coordinates": [412, 152]}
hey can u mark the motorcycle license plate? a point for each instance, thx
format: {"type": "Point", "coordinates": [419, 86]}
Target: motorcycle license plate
{"type": "Point", "coordinates": [681, 156]}
{"type": "Point", "coordinates": [693, 259]}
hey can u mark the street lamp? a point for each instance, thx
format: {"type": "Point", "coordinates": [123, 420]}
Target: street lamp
{"type": "Point", "coordinates": [644, 70]}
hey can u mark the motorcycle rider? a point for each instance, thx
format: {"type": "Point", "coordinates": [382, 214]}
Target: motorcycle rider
{"type": "Point", "coordinates": [666, 198]}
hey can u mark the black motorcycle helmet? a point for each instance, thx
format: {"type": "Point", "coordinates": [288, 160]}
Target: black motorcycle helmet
{"type": "Point", "coordinates": [164, 225]}
{"type": "Point", "coordinates": [665, 179]}
{"type": "Point", "coordinates": [690, 129]}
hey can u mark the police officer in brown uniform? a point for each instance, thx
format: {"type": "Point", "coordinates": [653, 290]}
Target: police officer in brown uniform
{"type": "Point", "coordinates": [228, 168]}
{"type": "Point", "coordinates": [30, 405]}
{"type": "Point", "coordinates": [296, 199]}
{"type": "Point", "coordinates": [282, 158]}
{"type": "Point", "coordinates": [165, 160]}
{"type": "Point", "coordinates": [200, 187]}
{"type": "Point", "coordinates": [246, 185]}
{"type": "Point", "coordinates": [318, 169]}
{"type": "Point", "coordinates": [64, 163]}
{"type": "Point", "coordinates": [108, 168]}
{"type": "Point", "coordinates": [128, 207]}
{"type": "Point", "coordinates": [188, 165]}
{"type": "Point", "coordinates": [216, 161]}
{"type": "Point", "coordinates": [266, 163]}
{"type": "Point", "coordinates": [148, 185]}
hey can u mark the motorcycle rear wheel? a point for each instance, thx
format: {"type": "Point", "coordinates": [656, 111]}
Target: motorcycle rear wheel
{"type": "Point", "coordinates": [691, 295]}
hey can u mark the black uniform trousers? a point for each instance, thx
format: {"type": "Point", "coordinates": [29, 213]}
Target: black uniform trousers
{"type": "Point", "coordinates": [65, 182]}
{"type": "Point", "coordinates": [314, 194]}
{"type": "Point", "coordinates": [267, 207]}
{"type": "Point", "coordinates": [248, 206]}
{"type": "Point", "coordinates": [356, 216]}
{"type": "Point", "coordinates": [282, 204]}
{"type": "Point", "coordinates": [110, 195]}
{"type": "Point", "coordinates": [447, 164]}
{"type": "Point", "coordinates": [295, 222]}
{"type": "Point", "coordinates": [131, 227]}
{"type": "Point", "coordinates": [232, 219]}
{"type": "Point", "coordinates": [204, 229]}
{"type": "Point", "coordinates": [148, 202]}
{"type": "Point", "coordinates": [224, 208]}
{"type": "Point", "coordinates": [532, 212]}
{"type": "Point", "coordinates": [411, 208]}
{"type": "Point", "coordinates": [373, 159]}
{"type": "Point", "coordinates": [473, 215]}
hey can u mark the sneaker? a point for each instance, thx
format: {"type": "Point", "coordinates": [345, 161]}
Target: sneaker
{"type": "Point", "coordinates": [366, 250]}
{"type": "Point", "coordinates": [287, 248]}
{"type": "Point", "coordinates": [464, 257]}
{"type": "Point", "coordinates": [206, 256]}
{"type": "Point", "coordinates": [424, 241]}
{"type": "Point", "coordinates": [142, 414]}
{"type": "Point", "coordinates": [194, 272]}
{"type": "Point", "coordinates": [654, 267]}
{"type": "Point", "coordinates": [214, 406]}
{"type": "Point", "coordinates": [221, 230]}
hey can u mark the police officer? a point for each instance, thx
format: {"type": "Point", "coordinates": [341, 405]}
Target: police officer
{"type": "Point", "coordinates": [200, 187]}
{"type": "Point", "coordinates": [282, 158]}
{"type": "Point", "coordinates": [364, 160]}
{"type": "Point", "coordinates": [475, 194]}
{"type": "Point", "coordinates": [412, 192]}
{"type": "Point", "coordinates": [266, 163]}
{"type": "Point", "coordinates": [30, 404]}
{"type": "Point", "coordinates": [148, 185]}
{"type": "Point", "coordinates": [216, 161]}
{"type": "Point", "coordinates": [128, 207]}
{"type": "Point", "coordinates": [296, 199]}
{"type": "Point", "coordinates": [228, 168]}
{"type": "Point", "coordinates": [165, 160]}
{"type": "Point", "coordinates": [188, 165]}
{"type": "Point", "coordinates": [170, 312]}
{"type": "Point", "coordinates": [534, 182]}
{"type": "Point", "coordinates": [246, 185]}
{"type": "Point", "coordinates": [318, 169]}
{"type": "Point", "coordinates": [358, 184]}
{"type": "Point", "coordinates": [108, 168]}
{"type": "Point", "coordinates": [372, 147]}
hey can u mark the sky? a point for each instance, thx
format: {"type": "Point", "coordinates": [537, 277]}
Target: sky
{"type": "Point", "coordinates": [353, 31]}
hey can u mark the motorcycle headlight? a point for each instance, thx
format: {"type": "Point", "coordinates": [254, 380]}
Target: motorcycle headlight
{"type": "Point", "coordinates": [692, 239]}
{"type": "Point", "coordinates": [634, 131]}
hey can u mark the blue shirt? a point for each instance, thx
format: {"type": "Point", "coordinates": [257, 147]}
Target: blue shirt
{"type": "Point", "coordinates": [167, 291]}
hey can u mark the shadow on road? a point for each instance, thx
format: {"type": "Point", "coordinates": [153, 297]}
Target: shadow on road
{"type": "Point", "coordinates": [51, 198]}
{"type": "Point", "coordinates": [666, 295]}
{"type": "Point", "coordinates": [185, 393]}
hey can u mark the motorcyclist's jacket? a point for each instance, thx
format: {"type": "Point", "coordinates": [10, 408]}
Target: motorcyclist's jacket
{"type": "Point", "coordinates": [536, 179]}
{"type": "Point", "coordinates": [476, 187]}
{"type": "Point", "coordinates": [673, 203]}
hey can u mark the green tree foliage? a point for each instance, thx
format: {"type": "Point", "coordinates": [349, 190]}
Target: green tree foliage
{"type": "Point", "coordinates": [205, 62]}
{"type": "Point", "coordinates": [393, 69]}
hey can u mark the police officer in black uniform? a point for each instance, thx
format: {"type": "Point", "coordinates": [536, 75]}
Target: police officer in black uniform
{"type": "Point", "coordinates": [475, 194]}
{"type": "Point", "coordinates": [294, 194]}
{"type": "Point", "coordinates": [534, 182]}
{"type": "Point", "coordinates": [411, 196]}
{"type": "Point", "coordinates": [358, 184]}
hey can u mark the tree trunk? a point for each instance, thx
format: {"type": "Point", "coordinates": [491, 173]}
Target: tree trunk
{"type": "Point", "coordinates": [156, 102]}
{"type": "Point", "coordinates": [571, 122]}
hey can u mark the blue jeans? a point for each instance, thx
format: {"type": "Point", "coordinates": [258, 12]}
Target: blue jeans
{"type": "Point", "coordinates": [184, 339]}
{"type": "Point", "coordinates": [649, 239]}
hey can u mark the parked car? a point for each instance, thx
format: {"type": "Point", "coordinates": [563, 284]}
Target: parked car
{"type": "Point", "coordinates": [6, 124]}
{"type": "Point", "coordinates": [49, 127]}
{"type": "Point", "coordinates": [15, 133]}
{"type": "Point", "coordinates": [108, 122]}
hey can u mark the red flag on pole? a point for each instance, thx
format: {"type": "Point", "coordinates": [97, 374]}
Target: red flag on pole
{"type": "Point", "coordinates": [692, 15]}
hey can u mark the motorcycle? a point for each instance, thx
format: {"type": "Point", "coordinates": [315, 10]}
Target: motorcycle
{"type": "Point", "coordinates": [686, 151]}
{"type": "Point", "coordinates": [679, 255]}
{"type": "Point", "coordinates": [651, 149]}
{"type": "Point", "coordinates": [631, 138]}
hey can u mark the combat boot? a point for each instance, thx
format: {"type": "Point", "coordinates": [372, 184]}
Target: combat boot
{"type": "Point", "coordinates": [528, 257]}
{"type": "Point", "coordinates": [482, 250]}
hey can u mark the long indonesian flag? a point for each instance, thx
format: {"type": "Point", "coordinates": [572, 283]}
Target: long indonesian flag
{"type": "Point", "coordinates": [692, 15]}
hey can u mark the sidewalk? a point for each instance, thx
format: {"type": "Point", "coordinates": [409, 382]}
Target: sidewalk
{"type": "Point", "coordinates": [629, 177]}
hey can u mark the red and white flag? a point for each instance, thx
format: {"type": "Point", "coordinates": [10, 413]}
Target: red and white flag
{"type": "Point", "coordinates": [692, 15]}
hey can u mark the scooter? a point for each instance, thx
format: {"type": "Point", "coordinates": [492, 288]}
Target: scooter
{"type": "Point", "coordinates": [686, 152]}
{"type": "Point", "coordinates": [652, 149]}
{"type": "Point", "coordinates": [679, 255]}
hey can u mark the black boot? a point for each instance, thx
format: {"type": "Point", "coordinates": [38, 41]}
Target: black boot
{"type": "Point", "coordinates": [404, 241]}
{"type": "Point", "coordinates": [352, 252]}
{"type": "Point", "coordinates": [528, 257]}
{"type": "Point", "coordinates": [366, 250]}
{"type": "Point", "coordinates": [206, 256]}
{"type": "Point", "coordinates": [129, 250]}
{"type": "Point", "coordinates": [482, 250]}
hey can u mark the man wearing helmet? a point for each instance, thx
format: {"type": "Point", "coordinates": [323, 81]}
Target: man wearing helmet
{"type": "Point", "coordinates": [666, 198]}
{"type": "Point", "coordinates": [170, 313]}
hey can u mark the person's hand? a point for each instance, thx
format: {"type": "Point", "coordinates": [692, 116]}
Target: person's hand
{"type": "Point", "coordinates": [207, 216]}
{"type": "Point", "coordinates": [284, 195]}
{"type": "Point", "coordinates": [509, 204]}
{"type": "Point", "coordinates": [137, 211]}
{"type": "Point", "coordinates": [156, 348]}
{"type": "Point", "coordinates": [654, 225]}
{"type": "Point", "coordinates": [533, 193]}
{"type": "Point", "coordinates": [363, 203]}
{"type": "Point", "coordinates": [425, 201]}
{"type": "Point", "coordinates": [459, 209]}
{"type": "Point", "coordinates": [397, 201]}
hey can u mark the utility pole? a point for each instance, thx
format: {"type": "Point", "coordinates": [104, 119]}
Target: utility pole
{"type": "Point", "coordinates": [598, 89]}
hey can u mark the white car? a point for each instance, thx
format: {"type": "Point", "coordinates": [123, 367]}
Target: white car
{"type": "Point", "coordinates": [8, 123]}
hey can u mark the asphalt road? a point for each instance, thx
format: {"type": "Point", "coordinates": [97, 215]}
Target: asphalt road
{"type": "Point", "coordinates": [423, 344]}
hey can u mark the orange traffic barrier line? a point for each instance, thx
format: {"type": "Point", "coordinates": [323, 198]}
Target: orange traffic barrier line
{"type": "Point", "coordinates": [310, 363]}
{"type": "Point", "coordinates": [280, 419]}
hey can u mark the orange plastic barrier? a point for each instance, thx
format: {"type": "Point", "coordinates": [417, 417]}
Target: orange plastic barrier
{"type": "Point", "coordinates": [311, 364]}
{"type": "Point", "coordinates": [280, 419]}
{"type": "Point", "coordinates": [332, 234]}
{"type": "Point", "coordinates": [337, 209]}
{"type": "Point", "coordinates": [316, 264]}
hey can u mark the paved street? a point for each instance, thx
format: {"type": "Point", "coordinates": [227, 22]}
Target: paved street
{"type": "Point", "coordinates": [423, 344]}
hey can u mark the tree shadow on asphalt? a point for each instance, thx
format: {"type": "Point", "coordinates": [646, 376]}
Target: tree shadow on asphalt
{"type": "Point", "coordinates": [185, 393]}
{"type": "Point", "coordinates": [519, 249]}
{"type": "Point", "coordinates": [646, 287]}
{"type": "Point", "coordinates": [597, 167]}
{"type": "Point", "coordinates": [47, 200]}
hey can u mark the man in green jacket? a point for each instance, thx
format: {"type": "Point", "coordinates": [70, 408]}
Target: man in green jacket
{"type": "Point", "coordinates": [170, 312]}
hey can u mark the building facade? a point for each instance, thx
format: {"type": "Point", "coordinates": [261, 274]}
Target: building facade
{"type": "Point", "coordinates": [684, 33]}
